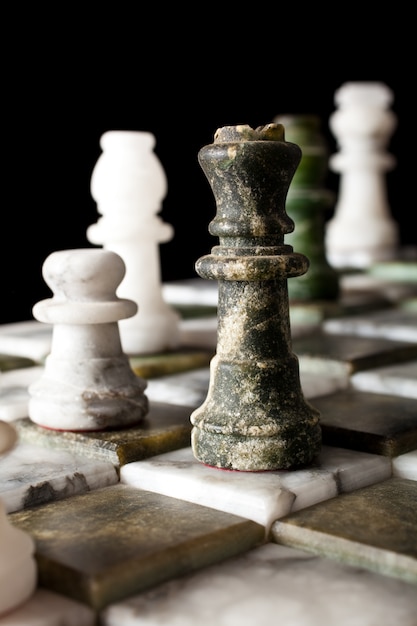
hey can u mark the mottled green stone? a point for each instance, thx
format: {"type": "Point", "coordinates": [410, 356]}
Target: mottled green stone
{"type": "Point", "coordinates": [401, 270]}
{"type": "Point", "coordinates": [255, 416]}
{"type": "Point", "coordinates": [369, 422]}
{"type": "Point", "coordinates": [373, 527]}
{"type": "Point", "coordinates": [10, 362]}
{"type": "Point", "coordinates": [166, 427]}
{"type": "Point", "coordinates": [153, 365]}
{"type": "Point", "coordinates": [328, 352]}
{"type": "Point", "coordinates": [308, 202]}
{"type": "Point", "coordinates": [112, 543]}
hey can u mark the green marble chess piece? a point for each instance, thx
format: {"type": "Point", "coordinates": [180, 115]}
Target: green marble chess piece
{"type": "Point", "coordinates": [306, 204]}
{"type": "Point", "coordinates": [255, 416]}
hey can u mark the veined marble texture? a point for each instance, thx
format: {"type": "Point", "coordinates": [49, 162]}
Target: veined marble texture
{"type": "Point", "coordinates": [260, 496]}
{"type": "Point", "coordinates": [14, 394]}
{"type": "Point", "coordinates": [31, 475]}
{"type": "Point", "coordinates": [391, 323]}
{"type": "Point", "coordinates": [272, 584]}
{"type": "Point", "coordinates": [399, 379]}
{"type": "Point", "coordinates": [405, 465]}
{"type": "Point", "coordinates": [30, 339]}
{"type": "Point", "coordinates": [392, 290]}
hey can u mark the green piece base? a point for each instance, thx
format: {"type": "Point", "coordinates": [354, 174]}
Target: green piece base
{"type": "Point", "coordinates": [254, 454]}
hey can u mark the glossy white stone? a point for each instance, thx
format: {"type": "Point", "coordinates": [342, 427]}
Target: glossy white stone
{"type": "Point", "coordinates": [390, 323]}
{"type": "Point", "coordinates": [18, 570]}
{"type": "Point", "coordinates": [259, 496]}
{"type": "Point", "coordinates": [129, 184]}
{"type": "Point", "coordinates": [14, 394]}
{"type": "Point", "coordinates": [399, 379]}
{"type": "Point", "coordinates": [405, 465]}
{"type": "Point", "coordinates": [272, 585]}
{"type": "Point", "coordinates": [87, 383]}
{"type": "Point", "coordinates": [362, 230]}
{"type": "Point", "coordinates": [31, 475]}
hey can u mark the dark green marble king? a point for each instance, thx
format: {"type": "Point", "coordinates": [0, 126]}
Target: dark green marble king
{"type": "Point", "coordinates": [255, 416]}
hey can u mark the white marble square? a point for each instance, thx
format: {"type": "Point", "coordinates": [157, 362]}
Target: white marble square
{"type": "Point", "coordinates": [260, 496]}
{"type": "Point", "coordinates": [391, 290]}
{"type": "Point", "coordinates": [32, 475]}
{"type": "Point", "coordinates": [392, 323]}
{"type": "Point", "coordinates": [46, 608]}
{"type": "Point", "coordinates": [14, 394]}
{"type": "Point", "coordinates": [186, 388]}
{"type": "Point", "coordinates": [30, 339]}
{"type": "Point", "coordinates": [191, 291]}
{"type": "Point", "coordinates": [405, 465]}
{"type": "Point", "coordinates": [399, 379]}
{"type": "Point", "coordinates": [272, 585]}
{"type": "Point", "coordinates": [200, 332]}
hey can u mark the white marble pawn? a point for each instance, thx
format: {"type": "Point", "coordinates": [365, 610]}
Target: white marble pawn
{"type": "Point", "coordinates": [128, 183]}
{"type": "Point", "coordinates": [87, 383]}
{"type": "Point", "coordinates": [18, 569]}
{"type": "Point", "coordinates": [362, 230]}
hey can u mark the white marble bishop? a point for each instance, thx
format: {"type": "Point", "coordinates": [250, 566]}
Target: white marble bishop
{"type": "Point", "coordinates": [129, 184]}
{"type": "Point", "coordinates": [87, 383]}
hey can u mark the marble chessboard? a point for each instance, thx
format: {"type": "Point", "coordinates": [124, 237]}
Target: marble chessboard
{"type": "Point", "coordinates": [131, 530]}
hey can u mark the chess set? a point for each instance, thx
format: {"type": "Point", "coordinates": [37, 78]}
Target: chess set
{"type": "Point", "coordinates": [237, 446]}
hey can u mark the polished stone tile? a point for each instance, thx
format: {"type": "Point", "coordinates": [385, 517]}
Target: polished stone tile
{"type": "Point", "coordinates": [104, 546]}
{"type": "Point", "coordinates": [11, 362]}
{"type": "Point", "coordinates": [187, 388]}
{"type": "Point", "coordinates": [399, 379]}
{"type": "Point", "coordinates": [31, 339]}
{"type": "Point", "coordinates": [14, 395]}
{"type": "Point", "coordinates": [259, 496]}
{"type": "Point", "coordinates": [393, 323]}
{"type": "Point", "coordinates": [397, 270]}
{"type": "Point", "coordinates": [269, 585]}
{"type": "Point", "coordinates": [343, 355]}
{"type": "Point", "coordinates": [405, 465]}
{"type": "Point", "coordinates": [197, 291]}
{"type": "Point", "coordinates": [393, 290]}
{"type": "Point", "coordinates": [155, 365]}
{"type": "Point", "coordinates": [46, 608]}
{"type": "Point", "coordinates": [166, 427]}
{"type": "Point", "coordinates": [373, 527]}
{"type": "Point", "coordinates": [31, 475]}
{"type": "Point", "coordinates": [200, 332]}
{"type": "Point", "coordinates": [371, 422]}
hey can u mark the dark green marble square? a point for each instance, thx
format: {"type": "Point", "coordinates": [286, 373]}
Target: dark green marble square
{"type": "Point", "coordinates": [368, 422]}
{"type": "Point", "coordinates": [351, 352]}
{"type": "Point", "coordinates": [166, 427]}
{"type": "Point", "coordinates": [152, 365]}
{"type": "Point", "coordinates": [103, 546]}
{"type": "Point", "coordinates": [374, 527]}
{"type": "Point", "coordinates": [10, 362]}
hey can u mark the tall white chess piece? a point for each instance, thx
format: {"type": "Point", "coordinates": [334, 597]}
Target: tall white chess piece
{"type": "Point", "coordinates": [128, 183]}
{"type": "Point", "coordinates": [18, 570]}
{"type": "Point", "coordinates": [362, 230]}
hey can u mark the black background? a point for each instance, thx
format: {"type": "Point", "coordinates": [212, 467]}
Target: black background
{"type": "Point", "coordinates": [180, 75]}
